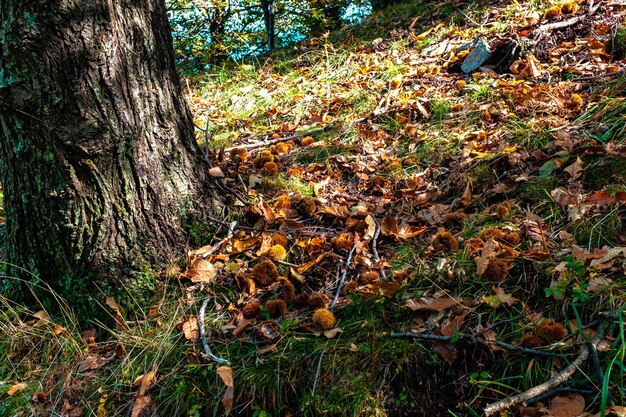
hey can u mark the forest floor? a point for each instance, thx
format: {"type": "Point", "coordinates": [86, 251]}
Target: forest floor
{"type": "Point", "coordinates": [405, 238]}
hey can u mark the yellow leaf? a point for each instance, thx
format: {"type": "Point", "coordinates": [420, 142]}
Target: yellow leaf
{"type": "Point", "coordinates": [15, 388]}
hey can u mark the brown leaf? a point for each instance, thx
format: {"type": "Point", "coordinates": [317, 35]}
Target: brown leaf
{"type": "Point", "coordinates": [16, 388]}
{"type": "Point", "coordinates": [504, 297]}
{"type": "Point", "coordinates": [202, 271]}
{"type": "Point", "coordinates": [488, 252]}
{"type": "Point", "coordinates": [93, 362]}
{"type": "Point", "coordinates": [572, 405]}
{"type": "Point", "coordinates": [610, 255]}
{"type": "Point", "coordinates": [341, 212]}
{"type": "Point", "coordinates": [565, 198]}
{"type": "Point", "coordinates": [389, 227]}
{"type": "Point", "coordinates": [582, 255]}
{"type": "Point", "coordinates": [575, 170]}
{"type": "Point", "coordinates": [190, 329]}
{"type": "Point", "coordinates": [332, 332]}
{"type": "Point", "coordinates": [145, 381]}
{"type": "Point", "coordinates": [386, 289]}
{"type": "Point", "coordinates": [141, 407]}
{"type": "Point", "coordinates": [120, 323]}
{"type": "Point", "coordinates": [600, 198]}
{"type": "Point", "coordinates": [226, 373]}
{"type": "Point", "coordinates": [431, 304]}
{"type": "Point", "coordinates": [371, 228]}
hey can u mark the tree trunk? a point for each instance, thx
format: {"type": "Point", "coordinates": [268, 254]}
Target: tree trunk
{"type": "Point", "coordinates": [268, 18]}
{"type": "Point", "coordinates": [99, 163]}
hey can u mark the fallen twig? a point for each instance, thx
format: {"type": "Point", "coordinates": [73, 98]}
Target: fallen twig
{"type": "Point", "coordinates": [503, 345]}
{"type": "Point", "coordinates": [569, 22]}
{"type": "Point", "coordinates": [548, 385]}
{"type": "Point", "coordinates": [205, 343]}
{"type": "Point", "coordinates": [275, 141]}
{"type": "Point", "coordinates": [375, 250]}
{"type": "Point", "coordinates": [317, 372]}
{"type": "Point", "coordinates": [343, 275]}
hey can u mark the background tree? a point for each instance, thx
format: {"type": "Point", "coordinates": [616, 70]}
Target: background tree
{"type": "Point", "coordinates": [100, 169]}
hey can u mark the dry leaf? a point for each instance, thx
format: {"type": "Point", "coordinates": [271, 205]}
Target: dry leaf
{"type": "Point", "coordinates": [141, 407]}
{"type": "Point", "coordinates": [504, 297]}
{"type": "Point", "coordinates": [145, 381]}
{"type": "Point", "coordinates": [120, 323]}
{"type": "Point", "coordinates": [431, 304]}
{"type": "Point", "coordinates": [16, 388]}
{"type": "Point", "coordinates": [332, 332]}
{"type": "Point", "coordinates": [202, 271]}
{"type": "Point", "coordinates": [226, 373]}
{"type": "Point", "coordinates": [190, 329]}
{"type": "Point", "coordinates": [572, 405]}
{"type": "Point", "coordinates": [575, 170]}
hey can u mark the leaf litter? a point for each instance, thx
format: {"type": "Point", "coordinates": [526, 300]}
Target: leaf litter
{"type": "Point", "coordinates": [498, 166]}
{"type": "Point", "coordinates": [480, 206]}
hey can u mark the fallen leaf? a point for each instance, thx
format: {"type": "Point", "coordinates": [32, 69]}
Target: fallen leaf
{"type": "Point", "coordinates": [504, 297]}
{"type": "Point", "coordinates": [145, 381]}
{"type": "Point", "coordinates": [190, 329]}
{"type": "Point", "coordinates": [201, 271]}
{"type": "Point", "coordinates": [16, 388]}
{"type": "Point", "coordinates": [431, 304]}
{"type": "Point", "coordinates": [575, 170]}
{"type": "Point", "coordinates": [332, 332]}
{"type": "Point", "coordinates": [141, 406]}
{"type": "Point", "coordinates": [120, 323]}
{"type": "Point", "coordinates": [572, 405]}
{"type": "Point", "coordinates": [610, 255]}
{"type": "Point", "coordinates": [226, 374]}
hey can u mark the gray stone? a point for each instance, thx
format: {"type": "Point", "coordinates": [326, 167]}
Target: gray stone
{"type": "Point", "coordinates": [479, 54]}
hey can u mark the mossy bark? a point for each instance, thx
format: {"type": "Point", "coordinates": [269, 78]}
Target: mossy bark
{"type": "Point", "coordinates": [99, 163]}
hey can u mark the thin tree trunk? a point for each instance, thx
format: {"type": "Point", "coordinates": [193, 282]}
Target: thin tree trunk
{"type": "Point", "coordinates": [268, 17]}
{"type": "Point", "coordinates": [99, 163]}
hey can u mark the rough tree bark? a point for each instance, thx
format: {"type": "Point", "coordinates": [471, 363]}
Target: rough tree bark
{"type": "Point", "coordinates": [99, 163]}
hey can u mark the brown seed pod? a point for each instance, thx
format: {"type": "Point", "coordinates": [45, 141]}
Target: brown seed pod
{"type": "Point", "coordinates": [497, 270]}
{"type": "Point", "coordinates": [265, 272]}
{"type": "Point", "coordinates": [288, 291]}
{"type": "Point", "coordinates": [324, 318]}
{"type": "Point", "coordinates": [276, 308]}
{"type": "Point", "coordinates": [270, 169]}
{"type": "Point", "coordinates": [349, 287]}
{"type": "Point", "coordinates": [318, 300]}
{"type": "Point", "coordinates": [252, 309]}
{"type": "Point", "coordinates": [445, 241]}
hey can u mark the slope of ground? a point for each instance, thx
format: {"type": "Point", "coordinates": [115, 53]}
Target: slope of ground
{"type": "Point", "coordinates": [407, 239]}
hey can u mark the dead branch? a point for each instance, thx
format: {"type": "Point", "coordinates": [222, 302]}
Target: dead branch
{"type": "Point", "coordinates": [343, 275]}
{"type": "Point", "coordinates": [275, 141]}
{"type": "Point", "coordinates": [503, 345]}
{"type": "Point", "coordinates": [375, 250]}
{"type": "Point", "coordinates": [569, 22]}
{"type": "Point", "coordinates": [561, 377]}
{"type": "Point", "coordinates": [205, 343]}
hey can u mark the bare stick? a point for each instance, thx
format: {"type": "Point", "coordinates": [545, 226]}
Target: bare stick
{"type": "Point", "coordinates": [507, 346]}
{"type": "Point", "coordinates": [273, 141]}
{"type": "Point", "coordinates": [205, 343]}
{"type": "Point", "coordinates": [317, 373]}
{"type": "Point", "coordinates": [375, 250]}
{"type": "Point", "coordinates": [550, 384]}
{"type": "Point", "coordinates": [343, 275]}
{"type": "Point", "coordinates": [569, 22]}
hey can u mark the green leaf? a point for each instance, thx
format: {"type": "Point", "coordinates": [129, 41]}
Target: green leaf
{"type": "Point", "coordinates": [547, 169]}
